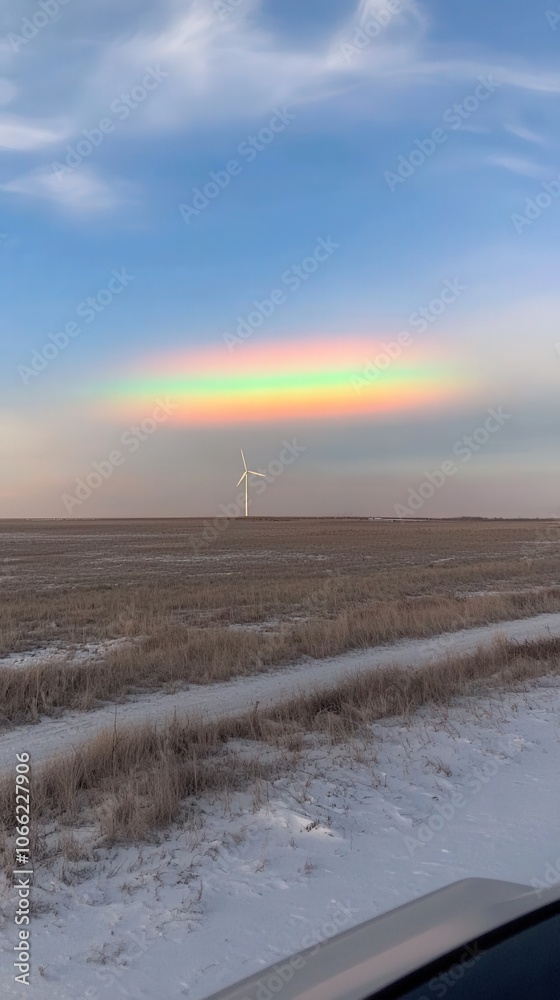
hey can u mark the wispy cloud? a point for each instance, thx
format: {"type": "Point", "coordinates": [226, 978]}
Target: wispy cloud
{"type": "Point", "coordinates": [23, 135]}
{"type": "Point", "coordinates": [218, 70]}
{"type": "Point", "coordinates": [525, 133]}
{"type": "Point", "coordinates": [236, 69]}
{"type": "Point", "coordinates": [518, 165]}
{"type": "Point", "coordinates": [81, 192]}
{"type": "Point", "coordinates": [233, 68]}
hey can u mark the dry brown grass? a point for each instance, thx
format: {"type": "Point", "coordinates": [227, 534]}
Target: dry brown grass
{"type": "Point", "coordinates": [133, 780]}
{"type": "Point", "coordinates": [323, 586]}
{"type": "Point", "coordinates": [84, 581]}
{"type": "Point", "coordinates": [203, 656]}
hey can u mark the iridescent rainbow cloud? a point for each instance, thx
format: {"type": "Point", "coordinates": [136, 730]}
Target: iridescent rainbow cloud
{"type": "Point", "coordinates": [311, 379]}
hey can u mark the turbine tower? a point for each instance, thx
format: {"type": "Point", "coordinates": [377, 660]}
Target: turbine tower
{"type": "Point", "coordinates": [245, 476]}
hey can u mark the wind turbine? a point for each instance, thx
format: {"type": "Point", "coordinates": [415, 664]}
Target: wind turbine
{"type": "Point", "coordinates": [245, 476]}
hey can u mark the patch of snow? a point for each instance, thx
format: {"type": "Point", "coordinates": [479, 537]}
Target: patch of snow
{"type": "Point", "coordinates": [254, 876]}
{"type": "Point", "coordinates": [505, 593]}
{"type": "Point", "coordinates": [59, 653]}
{"type": "Point", "coordinates": [270, 625]}
{"type": "Point", "coordinates": [214, 701]}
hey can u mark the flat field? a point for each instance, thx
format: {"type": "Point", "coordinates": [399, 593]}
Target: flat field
{"type": "Point", "coordinates": [147, 603]}
{"type": "Point", "coordinates": [208, 720]}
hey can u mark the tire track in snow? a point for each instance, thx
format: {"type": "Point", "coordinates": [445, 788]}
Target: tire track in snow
{"type": "Point", "coordinates": [51, 737]}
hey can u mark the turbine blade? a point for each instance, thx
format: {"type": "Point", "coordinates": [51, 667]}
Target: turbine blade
{"type": "Point", "coordinates": [241, 480]}
{"type": "Point", "coordinates": [243, 457]}
{"type": "Point", "coordinates": [261, 474]}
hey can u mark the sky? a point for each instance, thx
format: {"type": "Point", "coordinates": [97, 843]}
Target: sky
{"type": "Point", "coordinates": [324, 232]}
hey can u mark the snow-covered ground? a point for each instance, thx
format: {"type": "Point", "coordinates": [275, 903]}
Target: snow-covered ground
{"type": "Point", "coordinates": [52, 736]}
{"type": "Point", "coordinates": [255, 876]}
{"type": "Point", "coordinates": [63, 653]}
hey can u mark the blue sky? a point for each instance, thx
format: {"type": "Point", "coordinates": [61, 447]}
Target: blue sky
{"type": "Point", "coordinates": [354, 111]}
